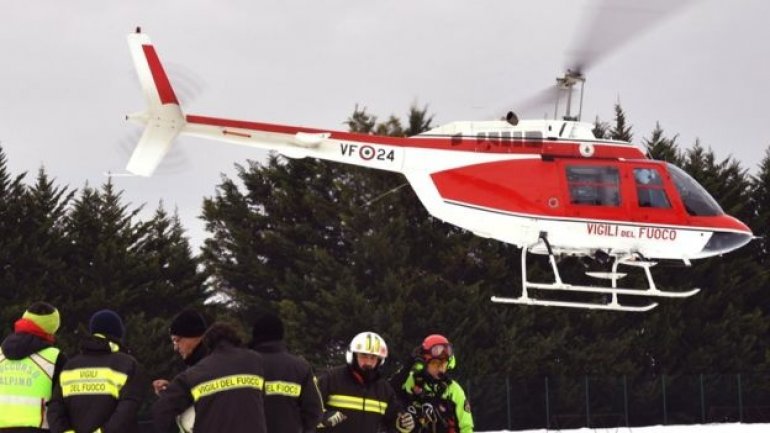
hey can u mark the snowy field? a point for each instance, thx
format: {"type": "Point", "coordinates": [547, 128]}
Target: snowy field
{"type": "Point", "coordinates": [707, 428]}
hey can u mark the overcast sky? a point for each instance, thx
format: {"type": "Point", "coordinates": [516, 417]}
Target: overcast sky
{"type": "Point", "coordinates": [66, 79]}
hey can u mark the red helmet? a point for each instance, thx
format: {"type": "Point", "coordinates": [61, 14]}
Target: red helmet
{"type": "Point", "coordinates": [436, 346]}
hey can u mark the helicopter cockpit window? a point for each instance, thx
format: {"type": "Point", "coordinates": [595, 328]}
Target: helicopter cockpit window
{"type": "Point", "coordinates": [697, 201]}
{"type": "Point", "coordinates": [593, 185]}
{"type": "Point", "coordinates": [649, 189]}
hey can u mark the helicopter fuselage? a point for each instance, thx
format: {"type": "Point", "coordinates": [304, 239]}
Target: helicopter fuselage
{"type": "Point", "coordinates": [546, 186]}
{"type": "Point", "coordinates": [517, 183]}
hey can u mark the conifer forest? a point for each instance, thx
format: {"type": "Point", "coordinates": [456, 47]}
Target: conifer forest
{"type": "Point", "coordinates": [336, 250]}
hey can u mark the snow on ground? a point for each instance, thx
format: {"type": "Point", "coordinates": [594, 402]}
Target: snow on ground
{"type": "Point", "coordinates": [708, 428]}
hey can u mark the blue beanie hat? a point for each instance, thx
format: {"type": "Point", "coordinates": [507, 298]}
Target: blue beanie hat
{"type": "Point", "coordinates": [106, 322]}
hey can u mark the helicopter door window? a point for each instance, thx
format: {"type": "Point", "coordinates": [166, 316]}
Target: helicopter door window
{"type": "Point", "coordinates": [593, 185]}
{"type": "Point", "coordinates": [650, 191]}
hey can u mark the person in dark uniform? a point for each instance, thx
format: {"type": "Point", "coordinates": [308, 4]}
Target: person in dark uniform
{"type": "Point", "coordinates": [186, 330]}
{"type": "Point", "coordinates": [357, 398]}
{"type": "Point", "coordinates": [225, 387]}
{"type": "Point", "coordinates": [24, 355]}
{"type": "Point", "coordinates": [101, 389]}
{"type": "Point", "coordinates": [292, 399]}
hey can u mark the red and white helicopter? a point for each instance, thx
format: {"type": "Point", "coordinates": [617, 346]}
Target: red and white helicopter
{"type": "Point", "coordinates": [546, 186]}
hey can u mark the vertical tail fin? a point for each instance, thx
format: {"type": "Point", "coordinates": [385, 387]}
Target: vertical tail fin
{"type": "Point", "coordinates": [163, 118]}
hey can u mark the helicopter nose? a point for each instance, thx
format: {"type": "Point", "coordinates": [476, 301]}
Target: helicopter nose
{"type": "Point", "coordinates": [723, 242]}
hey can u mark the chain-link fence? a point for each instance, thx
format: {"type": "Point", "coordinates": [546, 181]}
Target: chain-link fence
{"type": "Point", "coordinates": [501, 402]}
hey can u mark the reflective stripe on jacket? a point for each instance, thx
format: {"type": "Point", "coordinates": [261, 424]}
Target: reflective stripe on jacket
{"type": "Point", "coordinates": [226, 389]}
{"type": "Point", "coordinates": [292, 400]}
{"type": "Point", "coordinates": [92, 381]}
{"type": "Point", "coordinates": [101, 388]}
{"type": "Point", "coordinates": [369, 407]}
{"type": "Point", "coordinates": [25, 388]}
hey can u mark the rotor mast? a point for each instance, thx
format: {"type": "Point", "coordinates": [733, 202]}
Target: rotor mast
{"type": "Point", "coordinates": [566, 85]}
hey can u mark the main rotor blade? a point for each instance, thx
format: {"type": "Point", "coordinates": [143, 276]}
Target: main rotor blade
{"type": "Point", "coordinates": [613, 23]}
{"type": "Point", "coordinates": [539, 103]}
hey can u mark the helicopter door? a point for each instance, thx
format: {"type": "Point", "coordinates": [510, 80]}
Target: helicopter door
{"type": "Point", "coordinates": [593, 190]}
{"type": "Point", "coordinates": [653, 196]}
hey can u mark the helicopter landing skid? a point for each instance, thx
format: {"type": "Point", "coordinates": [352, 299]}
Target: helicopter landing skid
{"type": "Point", "coordinates": [614, 276]}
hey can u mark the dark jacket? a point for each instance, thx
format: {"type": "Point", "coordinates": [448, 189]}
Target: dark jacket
{"type": "Point", "coordinates": [19, 346]}
{"type": "Point", "coordinates": [292, 400]}
{"type": "Point", "coordinates": [226, 388]}
{"type": "Point", "coordinates": [197, 354]}
{"type": "Point", "coordinates": [370, 406]}
{"type": "Point", "coordinates": [89, 394]}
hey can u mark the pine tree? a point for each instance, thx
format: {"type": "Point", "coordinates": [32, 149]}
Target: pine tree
{"type": "Point", "coordinates": [11, 242]}
{"type": "Point", "coordinates": [601, 129]}
{"type": "Point", "coordinates": [661, 148]}
{"type": "Point", "coordinates": [621, 131]}
{"type": "Point", "coordinates": [41, 258]}
{"type": "Point", "coordinates": [100, 261]}
{"type": "Point", "coordinates": [760, 221]}
{"type": "Point", "coordinates": [169, 270]}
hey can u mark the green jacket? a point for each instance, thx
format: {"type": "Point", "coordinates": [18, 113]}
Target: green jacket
{"type": "Point", "coordinates": [450, 412]}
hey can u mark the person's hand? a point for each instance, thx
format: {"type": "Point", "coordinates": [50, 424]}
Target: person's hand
{"type": "Point", "coordinates": [405, 422]}
{"type": "Point", "coordinates": [332, 418]}
{"type": "Point", "coordinates": [159, 385]}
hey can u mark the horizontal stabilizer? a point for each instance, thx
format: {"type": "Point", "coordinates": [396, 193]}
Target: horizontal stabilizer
{"type": "Point", "coordinates": [155, 142]}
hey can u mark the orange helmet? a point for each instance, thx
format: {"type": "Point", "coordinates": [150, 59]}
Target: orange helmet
{"type": "Point", "coordinates": [436, 346]}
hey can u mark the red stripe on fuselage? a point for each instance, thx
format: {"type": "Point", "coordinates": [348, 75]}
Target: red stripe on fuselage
{"type": "Point", "coordinates": [458, 143]}
{"type": "Point", "coordinates": [165, 91]}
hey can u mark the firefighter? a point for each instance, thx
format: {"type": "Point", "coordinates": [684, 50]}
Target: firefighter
{"type": "Point", "coordinates": [357, 398]}
{"type": "Point", "coordinates": [225, 387]}
{"type": "Point", "coordinates": [436, 400]}
{"type": "Point", "coordinates": [29, 366]}
{"type": "Point", "coordinates": [100, 389]}
{"type": "Point", "coordinates": [292, 399]}
{"type": "Point", "coordinates": [186, 331]}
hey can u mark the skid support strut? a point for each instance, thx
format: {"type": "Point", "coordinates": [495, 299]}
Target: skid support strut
{"type": "Point", "coordinates": [613, 304]}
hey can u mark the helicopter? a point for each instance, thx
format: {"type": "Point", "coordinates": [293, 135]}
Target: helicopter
{"type": "Point", "coordinates": [547, 186]}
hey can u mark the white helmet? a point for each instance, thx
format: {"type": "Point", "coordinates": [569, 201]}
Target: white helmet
{"type": "Point", "coordinates": [369, 343]}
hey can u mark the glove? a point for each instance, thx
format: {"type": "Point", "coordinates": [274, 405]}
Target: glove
{"type": "Point", "coordinates": [405, 422]}
{"type": "Point", "coordinates": [331, 418]}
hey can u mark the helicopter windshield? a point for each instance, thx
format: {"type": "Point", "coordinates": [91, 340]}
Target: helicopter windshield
{"type": "Point", "coordinates": [697, 201]}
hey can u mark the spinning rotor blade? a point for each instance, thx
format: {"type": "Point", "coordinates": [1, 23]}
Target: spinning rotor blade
{"type": "Point", "coordinates": [614, 23]}
{"type": "Point", "coordinates": [609, 25]}
{"type": "Point", "coordinates": [539, 103]}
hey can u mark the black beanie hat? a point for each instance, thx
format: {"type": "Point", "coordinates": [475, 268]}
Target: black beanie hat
{"type": "Point", "coordinates": [106, 322]}
{"type": "Point", "coordinates": [267, 327]}
{"type": "Point", "coordinates": [188, 323]}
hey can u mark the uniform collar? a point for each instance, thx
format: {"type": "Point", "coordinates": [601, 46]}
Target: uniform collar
{"type": "Point", "coordinates": [274, 346]}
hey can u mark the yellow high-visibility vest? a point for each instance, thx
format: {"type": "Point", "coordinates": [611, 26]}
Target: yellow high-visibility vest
{"type": "Point", "coordinates": [25, 388]}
